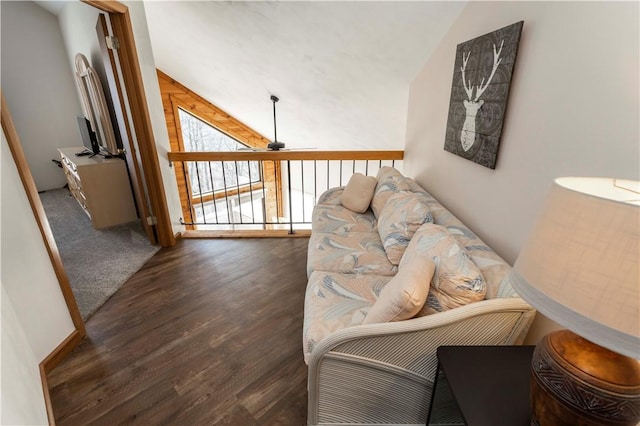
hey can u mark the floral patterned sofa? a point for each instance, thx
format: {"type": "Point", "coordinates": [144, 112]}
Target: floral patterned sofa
{"type": "Point", "coordinates": [382, 373]}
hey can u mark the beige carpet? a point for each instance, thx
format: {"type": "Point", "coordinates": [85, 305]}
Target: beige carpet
{"type": "Point", "coordinates": [98, 262]}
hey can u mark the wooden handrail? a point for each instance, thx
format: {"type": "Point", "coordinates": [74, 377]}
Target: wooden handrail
{"type": "Point", "coordinates": [285, 155]}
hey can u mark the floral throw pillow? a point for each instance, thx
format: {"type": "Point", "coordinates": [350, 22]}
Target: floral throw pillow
{"type": "Point", "coordinates": [390, 181]}
{"type": "Point", "coordinates": [457, 280]}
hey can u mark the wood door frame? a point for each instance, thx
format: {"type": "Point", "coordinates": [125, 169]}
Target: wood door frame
{"type": "Point", "coordinates": [38, 211]}
{"type": "Point", "coordinates": [79, 332]}
{"type": "Point", "coordinates": [122, 123]}
{"type": "Point", "coordinates": [132, 76]}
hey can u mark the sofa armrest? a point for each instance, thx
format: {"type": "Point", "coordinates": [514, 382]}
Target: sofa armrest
{"type": "Point", "coordinates": [384, 373]}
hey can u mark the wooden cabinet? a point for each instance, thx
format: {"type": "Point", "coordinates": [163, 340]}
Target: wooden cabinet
{"type": "Point", "coordinates": [101, 187]}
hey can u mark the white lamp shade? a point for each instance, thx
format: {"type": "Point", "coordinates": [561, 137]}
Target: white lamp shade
{"type": "Point", "coordinates": [581, 264]}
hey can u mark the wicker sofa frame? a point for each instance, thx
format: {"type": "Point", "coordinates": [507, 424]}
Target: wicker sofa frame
{"type": "Point", "coordinates": [384, 373]}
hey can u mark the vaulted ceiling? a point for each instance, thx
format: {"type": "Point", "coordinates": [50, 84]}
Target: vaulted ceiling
{"type": "Point", "coordinates": [341, 69]}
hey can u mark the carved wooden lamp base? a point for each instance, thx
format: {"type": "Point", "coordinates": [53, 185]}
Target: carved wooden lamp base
{"type": "Point", "coordinates": [576, 382]}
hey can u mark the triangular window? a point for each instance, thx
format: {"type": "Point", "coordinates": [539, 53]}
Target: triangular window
{"type": "Point", "coordinates": [208, 177]}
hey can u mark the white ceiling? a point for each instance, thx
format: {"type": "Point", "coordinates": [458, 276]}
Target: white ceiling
{"type": "Point", "coordinates": [341, 69]}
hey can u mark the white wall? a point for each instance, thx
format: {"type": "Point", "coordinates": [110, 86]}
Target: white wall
{"type": "Point", "coordinates": [22, 396]}
{"type": "Point", "coordinates": [77, 23]}
{"type": "Point", "coordinates": [573, 110]}
{"type": "Point", "coordinates": [35, 319]}
{"type": "Point", "coordinates": [39, 88]}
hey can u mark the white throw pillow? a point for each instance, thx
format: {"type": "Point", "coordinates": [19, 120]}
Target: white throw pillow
{"type": "Point", "coordinates": [358, 192]}
{"type": "Point", "coordinates": [403, 296]}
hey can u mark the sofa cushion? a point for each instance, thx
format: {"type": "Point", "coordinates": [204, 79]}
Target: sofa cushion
{"type": "Point", "coordinates": [494, 269]}
{"type": "Point", "coordinates": [338, 219]}
{"type": "Point", "coordinates": [358, 192]}
{"type": "Point", "coordinates": [390, 181]}
{"type": "Point", "coordinates": [405, 294]}
{"type": "Point", "coordinates": [399, 219]}
{"type": "Point", "coordinates": [457, 280]}
{"type": "Point", "coordinates": [350, 253]}
{"type": "Point", "coordinates": [331, 196]}
{"type": "Point", "coordinates": [334, 301]}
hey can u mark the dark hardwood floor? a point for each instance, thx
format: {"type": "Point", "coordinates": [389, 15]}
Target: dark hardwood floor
{"type": "Point", "coordinates": [207, 332]}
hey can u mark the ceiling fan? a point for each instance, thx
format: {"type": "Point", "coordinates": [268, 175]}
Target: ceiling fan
{"type": "Point", "coordinates": [275, 145]}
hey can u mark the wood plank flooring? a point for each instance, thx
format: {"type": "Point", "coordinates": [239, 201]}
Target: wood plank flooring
{"type": "Point", "coordinates": [207, 332]}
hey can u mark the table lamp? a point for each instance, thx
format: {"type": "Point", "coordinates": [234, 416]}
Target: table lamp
{"type": "Point", "coordinates": [580, 267]}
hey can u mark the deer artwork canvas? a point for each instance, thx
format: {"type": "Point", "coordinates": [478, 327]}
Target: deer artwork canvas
{"type": "Point", "coordinates": [481, 79]}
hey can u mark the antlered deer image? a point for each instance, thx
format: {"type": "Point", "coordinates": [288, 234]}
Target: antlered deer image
{"type": "Point", "coordinates": [473, 103]}
{"type": "Point", "coordinates": [482, 72]}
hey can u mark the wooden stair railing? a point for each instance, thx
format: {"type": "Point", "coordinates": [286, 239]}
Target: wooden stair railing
{"type": "Point", "coordinates": [276, 203]}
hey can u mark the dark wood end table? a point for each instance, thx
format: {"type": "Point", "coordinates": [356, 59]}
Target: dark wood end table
{"type": "Point", "coordinates": [482, 385]}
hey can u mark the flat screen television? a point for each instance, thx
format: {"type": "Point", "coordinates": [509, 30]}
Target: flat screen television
{"type": "Point", "coordinates": [89, 138]}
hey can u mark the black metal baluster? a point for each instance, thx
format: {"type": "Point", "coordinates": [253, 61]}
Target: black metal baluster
{"type": "Point", "coordinates": [327, 174]}
{"type": "Point", "coordinates": [235, 165]}
{"type": "Point", "coordinates": [189, 191]}
{"type": "Point", "coordinates": [204, 214]}
{"type": "Point", "coordinates": [302, 175]}
{"type": "Point", "coordinates": [213, 194]}
{"type": "Point", "coordinates": [290, 196]}
{"type": "Point", "coordinates": [315, 181]}
{"type": "Point", "coordinates": [253, 216]}
{"type": "Point", "coordinates": [276, 185]}
{"type": "Point", "coordinates": [264, 195]}
{"type": "Point", "coordinates": [226, 194]}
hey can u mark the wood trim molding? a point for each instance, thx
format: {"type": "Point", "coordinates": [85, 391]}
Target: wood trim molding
{"type": "Point", "coordinates": [50, 362]}
{"type": "Point", "coordinates": [80, 332]}
{"type": "Point", "coordinates": [44, 380]}
{"type": "Point", "coordinates": [129, 143]}
{"type": "Point", "coordinates": [40, 216]}
{"type": "Point", "coordinates": [267, 233]}
{"type": "Point", "coordinates": [108, 6]}
{"type": "Point", "coordinates": [61, 351]}
{"type": "Point", "coordinates": [121, 24]}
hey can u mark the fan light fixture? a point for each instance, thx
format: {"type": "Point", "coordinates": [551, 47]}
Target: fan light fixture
{"type": "Point", "coordinates": [275, 145]}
